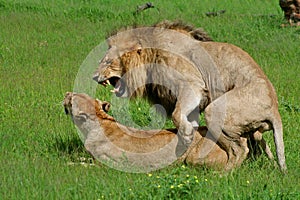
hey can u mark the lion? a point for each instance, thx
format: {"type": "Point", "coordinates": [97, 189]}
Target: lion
{"type": "Point", "coordinates": [106, 139]}
{"type": "Point", "coordinates": [187, 76]}
{"type": "Point", "coordinates": [291, 9]}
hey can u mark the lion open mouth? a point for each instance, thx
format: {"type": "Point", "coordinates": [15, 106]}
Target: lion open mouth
{"type": "Point", "coordinates": [117, 83]}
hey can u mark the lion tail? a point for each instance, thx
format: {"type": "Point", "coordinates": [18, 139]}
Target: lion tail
{"type": "Point", "coordinates": [278, 139]}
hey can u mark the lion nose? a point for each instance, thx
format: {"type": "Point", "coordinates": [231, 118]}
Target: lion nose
{"type": "Point", "coordinates": [96, 77]}
{"type": "Point", "coordinates": [67, 102]}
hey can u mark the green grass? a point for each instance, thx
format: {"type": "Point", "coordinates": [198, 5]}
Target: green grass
{"type": "Point", "coordinates": [42, 46]}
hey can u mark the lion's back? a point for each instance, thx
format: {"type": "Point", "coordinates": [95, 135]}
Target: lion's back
{"type": "Point", "coordinates": [235, 66]}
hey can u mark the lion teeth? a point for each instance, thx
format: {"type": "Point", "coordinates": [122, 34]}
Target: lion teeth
{"type": "Point", "coordinates": [115, 90]}
{"type": "Point", "coordinates": [108, 82]}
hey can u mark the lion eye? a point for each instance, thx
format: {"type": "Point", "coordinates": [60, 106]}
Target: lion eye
{"type": "Point", "coordinates": [108, 62]}
{"type": "Point", "coordinates": [105, 62]}
{"type": "Point", "coordinates": [82, 116]}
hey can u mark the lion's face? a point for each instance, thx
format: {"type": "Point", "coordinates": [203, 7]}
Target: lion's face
{"type": "Point", "coordinates": [115, 64]}
{"type": "Point", "coordinates": [110, 72]}
{"type": "Point", "coordinates": [82, 107]}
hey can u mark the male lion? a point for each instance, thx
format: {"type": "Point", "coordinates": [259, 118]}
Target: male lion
{"type": "Point", "coordinates": [109, 140]}
{"type": "Point", "coordinates": [171, 67]}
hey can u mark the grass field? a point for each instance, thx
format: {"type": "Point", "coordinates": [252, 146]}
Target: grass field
{"type": "Point", "coordinates": [42, 46]}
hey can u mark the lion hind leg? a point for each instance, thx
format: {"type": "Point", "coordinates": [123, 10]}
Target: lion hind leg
{"type": "Point", "coordinates": [231, 142]}
{"type": "Point", "coordinates": [257, 136]}
{"type": "Point", "coordinates": [235, 148]}
{"type": "Point", "coordinates": [217, 117]}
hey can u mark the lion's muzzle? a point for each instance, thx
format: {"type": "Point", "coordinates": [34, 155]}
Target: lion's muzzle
{"type": "Point", "coordinates": [118, 84]}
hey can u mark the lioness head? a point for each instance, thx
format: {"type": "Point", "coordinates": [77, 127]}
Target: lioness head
{"type": "Point", "coordinates": [82, 107]}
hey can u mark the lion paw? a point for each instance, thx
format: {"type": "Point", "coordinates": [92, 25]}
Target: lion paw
{"type": "Point", "coordinates": [187, 140]}
{"type": "Point", "coordinates": [187, 135]}
{"type": "Point", "coordinates": [236, 155]}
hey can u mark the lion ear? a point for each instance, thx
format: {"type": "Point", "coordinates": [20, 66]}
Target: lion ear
{"type": "Point", "coordinates": [136, 47]}
{"type": "Point", "coordinates": [139, 51]}
{"type": "Point", "coordinates": [110, 42]}
{"type": "Point", "coordinates": [105, 106]}
{"type": "Point", "coordinates": [200, 35]}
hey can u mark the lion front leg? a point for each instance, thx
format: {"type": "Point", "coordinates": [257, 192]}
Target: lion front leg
{"type": "Point", "coordinates": [181, 116]}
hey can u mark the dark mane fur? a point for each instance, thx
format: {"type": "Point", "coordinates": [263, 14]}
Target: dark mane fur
{"type": "Point", "coordinates": [196, 33]}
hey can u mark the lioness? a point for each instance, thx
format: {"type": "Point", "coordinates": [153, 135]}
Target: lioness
{"type": "Point", "coordinates": [109, 140]}
{"type": "Point", "coordinates": [170, 66]}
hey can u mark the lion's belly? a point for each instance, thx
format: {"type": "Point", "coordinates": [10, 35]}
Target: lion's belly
{"type": "Point", "coordinates": [168, 103]}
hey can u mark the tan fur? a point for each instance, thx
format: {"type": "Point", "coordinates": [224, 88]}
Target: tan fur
{"type": "Point", "coordinates": [130, 142]}
{"type": "Point", "coordinates": [188, 76]}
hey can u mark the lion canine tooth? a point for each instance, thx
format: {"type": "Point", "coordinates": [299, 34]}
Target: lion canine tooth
{"type": "Point", "coordinates": [113, 91]}
{"type": "Point", "coordinates": [107, 81]}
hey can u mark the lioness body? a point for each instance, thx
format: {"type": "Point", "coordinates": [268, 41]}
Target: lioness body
{"type": "Point", "coordinates": [188, 76]}
{"type": "Point", "coordinates": [109, 140]}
